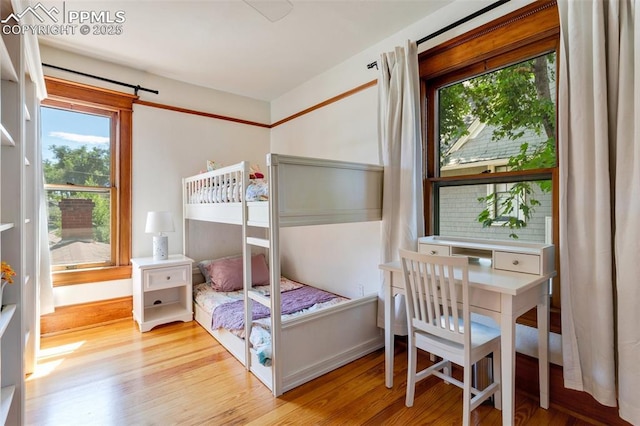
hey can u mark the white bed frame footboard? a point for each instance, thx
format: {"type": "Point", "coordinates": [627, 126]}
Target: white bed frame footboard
{"type": "Point", "coordinates": [302, 191]}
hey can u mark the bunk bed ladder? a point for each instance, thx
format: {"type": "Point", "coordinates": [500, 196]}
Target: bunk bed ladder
{"type": "Point", "coordinates": [273, 300]}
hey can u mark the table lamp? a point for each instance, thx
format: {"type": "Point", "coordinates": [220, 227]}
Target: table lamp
{"type": "Point", "coordinates": [159, 222]}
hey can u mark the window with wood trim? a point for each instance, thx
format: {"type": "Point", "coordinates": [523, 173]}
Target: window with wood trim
{"type": "Point", "coordinates": [86, 134]}
{"type": "Point", "coordinates": [490, 130]}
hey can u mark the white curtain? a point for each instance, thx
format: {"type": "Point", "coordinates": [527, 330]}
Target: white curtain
{"type": "Point", "coordinates": [401, 154]}
{"type": "Point", "coordinates": [599, 152]}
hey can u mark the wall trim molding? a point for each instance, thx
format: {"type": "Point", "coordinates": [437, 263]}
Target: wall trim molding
{"type": "Point", "coordinates": [200, 113]}
{"type": "Point", "coordinates": [255, 123]}
{"type": "Point", "coordinates": [327, 102]}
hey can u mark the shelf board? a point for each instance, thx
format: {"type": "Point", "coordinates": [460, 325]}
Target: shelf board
{"type": "Point", "coordinates": [5, 226]}
{"type": "Point", "coordinates": [162, 311]}
{"type": "Point", "coordinates": [5, 317]}
{"type": "Point", "coordinates": [7, 139]}
{"type": "Point", "coordinates": [6, 398]}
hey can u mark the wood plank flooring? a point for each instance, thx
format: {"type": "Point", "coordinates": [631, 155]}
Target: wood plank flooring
{"type": "Point", "coordinates": [178, 374]}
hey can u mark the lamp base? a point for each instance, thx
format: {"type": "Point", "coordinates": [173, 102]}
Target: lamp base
{"type": "Point", "coordinates": [160, 247]}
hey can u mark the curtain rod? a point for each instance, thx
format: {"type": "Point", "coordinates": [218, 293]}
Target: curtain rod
{"type": "Point", "coordinates": [452, 26]}
{"type": "Point", "coordinates": [108, 80]}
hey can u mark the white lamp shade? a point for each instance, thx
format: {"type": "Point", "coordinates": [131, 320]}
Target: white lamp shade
{"type": "Point", "coordinates": [159, 222]}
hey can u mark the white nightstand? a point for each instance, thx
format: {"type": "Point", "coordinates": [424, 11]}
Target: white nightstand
{"type": "Point", "coordinates": [161, 290]}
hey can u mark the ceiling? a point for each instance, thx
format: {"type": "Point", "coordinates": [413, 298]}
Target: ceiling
{"type": "Point", "coordinates": [230, 45]}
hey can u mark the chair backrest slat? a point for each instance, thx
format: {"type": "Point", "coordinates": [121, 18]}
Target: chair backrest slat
{"type": "Point", "coordinates": [431, 287]}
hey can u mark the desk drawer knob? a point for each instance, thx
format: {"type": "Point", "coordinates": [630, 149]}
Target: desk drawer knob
{"type": "Point", "coordinates": [432, 252]}
{"type": "Point", "coordinates": [168, 277]}
{"type": "Point", "coordinates": [515, 263]}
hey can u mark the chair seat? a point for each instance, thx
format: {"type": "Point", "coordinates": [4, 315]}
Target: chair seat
{"type": "Point", "coordinates": [480, 333]}
{"type": "Point", "coordinates": [484, 340]}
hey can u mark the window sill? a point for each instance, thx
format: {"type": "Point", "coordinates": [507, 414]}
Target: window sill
{"type": "Point", "coordinates": [85, 276]}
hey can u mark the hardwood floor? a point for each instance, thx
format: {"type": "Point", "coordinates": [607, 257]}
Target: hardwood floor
{"type": "Point", "coordinates": [179, 374]}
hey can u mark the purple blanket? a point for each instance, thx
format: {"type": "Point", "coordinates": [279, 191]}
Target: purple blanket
{"type": "Point", "coordinates": [231, 315]}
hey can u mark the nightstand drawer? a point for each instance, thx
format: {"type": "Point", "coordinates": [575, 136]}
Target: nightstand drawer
{"type": "Point", "coordinates": [165, 277]}
{"type": "Point", "coordinates": [434, 249]}
{"type": "Point", "coordinates": [517, 262]}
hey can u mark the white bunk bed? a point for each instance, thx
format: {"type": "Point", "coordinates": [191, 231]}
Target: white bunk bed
{"type": "Point", "coordinates": [301, 191]}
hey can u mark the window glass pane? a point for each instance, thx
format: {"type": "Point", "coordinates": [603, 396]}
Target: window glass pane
{"type": "Point", "coordinates": [473, 211]}
{"type": "Point", "coordinates": [505, 117]}
{"type": "Point", "coordinates": [79, 227]}
{"type": "Point", "coordinates": [76, 147]}
{"type": "Point", "coordinates": [76, 153]}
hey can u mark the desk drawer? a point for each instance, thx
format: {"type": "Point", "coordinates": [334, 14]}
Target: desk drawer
{"type": "Point", "coordinates": [158, 278]}
{"type": "Point", "coordinates": [434, 249]}
{"type": "Point", "coordinates": [517, 262]}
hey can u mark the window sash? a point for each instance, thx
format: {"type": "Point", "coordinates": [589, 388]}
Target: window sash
{"type": "Point", "coordinates": [82, 97]}
{"type": "Point", "coordinates": [523, 34]}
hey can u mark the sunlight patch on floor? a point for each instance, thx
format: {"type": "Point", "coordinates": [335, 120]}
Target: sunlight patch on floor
{"type": "Point", "coordinates": [60, 350]}
{"type": "Point", "coordinates": [47, 362]}
{"type": "Point", "coordinates": [44, 369]}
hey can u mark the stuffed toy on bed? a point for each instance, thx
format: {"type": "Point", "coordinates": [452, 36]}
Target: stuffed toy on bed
{"type": "Point", "coordinates": [255, 172]}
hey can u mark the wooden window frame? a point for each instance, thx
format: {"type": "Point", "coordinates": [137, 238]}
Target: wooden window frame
{"type": "Point", "coordinates": [84, 98]}
{"type": "Point", "coordinates": [523, 34]}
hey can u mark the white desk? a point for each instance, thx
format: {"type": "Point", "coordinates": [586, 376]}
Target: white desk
{"type": "Point", "coordinates": [502, 295]}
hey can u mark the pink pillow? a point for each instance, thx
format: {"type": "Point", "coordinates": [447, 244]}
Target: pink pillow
{"type": "Point", "coordinates": [226, 274]}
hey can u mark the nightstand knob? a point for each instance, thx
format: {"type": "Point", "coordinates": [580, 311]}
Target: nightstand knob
{"type": "Point", "coordinates": [432, 252]}
{"type": "Point", "coordinates": [168, 277]}
{"type": "Point", "coordinates": [515, 262]}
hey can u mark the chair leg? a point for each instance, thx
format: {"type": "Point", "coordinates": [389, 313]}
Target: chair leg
{"type": "Point", "coordinates": [466, 396]}
{"type": "Point", "coordinates": [411, 373]}
{"type": "Point", "coordinates": [497, 397]}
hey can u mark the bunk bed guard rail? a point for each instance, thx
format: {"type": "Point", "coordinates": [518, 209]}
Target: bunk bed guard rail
{"type": "Point", "coordinates": [314, 191]}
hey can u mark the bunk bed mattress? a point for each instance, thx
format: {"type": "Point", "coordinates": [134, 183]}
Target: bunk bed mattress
{"type": "Point", "coordinates": [208, 299]}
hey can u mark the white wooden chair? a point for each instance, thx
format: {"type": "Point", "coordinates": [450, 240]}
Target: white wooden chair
{"type": "Point", "coordinates": [437, 325]}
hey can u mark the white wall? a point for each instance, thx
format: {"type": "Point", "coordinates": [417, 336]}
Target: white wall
{"type": "Point", "coordinates": [167, 146]}
{"type": "Point", "coordinates": [171, 92]}
{"type": "Point", "coordinates": [340, 258]}
{"type": "Point", "coordinates": [353, 72]}
{"type": "Point", "coordinates": [347, 130]}
{"type": "Point", "coordinates": [170, 145]}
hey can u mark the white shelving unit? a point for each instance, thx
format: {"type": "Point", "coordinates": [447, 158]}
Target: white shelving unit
{"type": "Point", "coordinates": [19, 135]}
